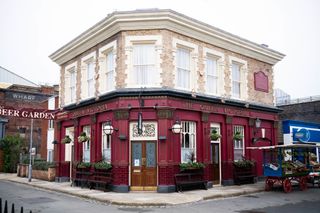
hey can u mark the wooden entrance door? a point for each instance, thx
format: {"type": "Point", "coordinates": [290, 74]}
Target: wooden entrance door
{"type": "Point", "coordinates": [215, 150]}
{"type": "Point", "coordinates": [143, 165]}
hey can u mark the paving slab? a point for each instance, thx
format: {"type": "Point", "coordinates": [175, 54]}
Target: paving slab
{"type": "Point", "coordinates": [140, 198]}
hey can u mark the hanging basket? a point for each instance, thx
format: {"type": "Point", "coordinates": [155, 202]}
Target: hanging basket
{"type": "Point", "coordinates": [83, 137]}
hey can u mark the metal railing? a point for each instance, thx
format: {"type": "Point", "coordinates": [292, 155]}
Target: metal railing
{"type": "Point", "coordinates": [285, 101]}
{"type": "Point", "coordinates": [5, 209]}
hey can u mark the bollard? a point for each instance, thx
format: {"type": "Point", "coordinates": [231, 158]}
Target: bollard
{"type": "Point", "coordinates": [12, 208]}
{"type": "Point", "coordinates": [5, 207]}
{"type": "Point", "coordinates": [0, 205]}
{"type": "Point", "coordinates": [21, 210]}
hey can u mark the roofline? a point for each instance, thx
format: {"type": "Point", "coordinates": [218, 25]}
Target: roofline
{"type": "Point", "coordinates": [36, 85]}
{"type": "Point", "coordinates": [171, 93]}
{"type": "Point", "coordinates": [162, 19]}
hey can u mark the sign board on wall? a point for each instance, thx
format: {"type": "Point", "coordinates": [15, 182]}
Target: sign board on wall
{"type": "Point", "coordinates": [149, 131]}
{"type": "Point", "coordinates": [44, 114]}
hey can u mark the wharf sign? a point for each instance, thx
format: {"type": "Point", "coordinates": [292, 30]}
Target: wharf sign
{"type": "Point", "coordinates": [28, 113]}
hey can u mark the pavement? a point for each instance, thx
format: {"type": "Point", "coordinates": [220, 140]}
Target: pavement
{"type": "Point", "coordinates": [133, 198]}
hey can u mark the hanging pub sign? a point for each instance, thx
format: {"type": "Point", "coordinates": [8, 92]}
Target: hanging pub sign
{"type": "Point", "coordinates": [28, 113]}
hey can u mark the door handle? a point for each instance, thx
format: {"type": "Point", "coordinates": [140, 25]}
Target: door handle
{"type": "Point", "coordinates": [143, 163]}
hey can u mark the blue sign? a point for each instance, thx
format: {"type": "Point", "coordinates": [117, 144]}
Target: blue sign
{"type": "Point", "coordinates": [306, 135]}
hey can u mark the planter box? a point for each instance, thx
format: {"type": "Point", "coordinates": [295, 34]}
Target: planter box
{"type": "Point", "coordinates": [48, 175]}
{"type": "Point", "coordinates": [22, 170]}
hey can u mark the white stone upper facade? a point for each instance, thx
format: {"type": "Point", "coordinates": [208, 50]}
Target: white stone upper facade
{"type": "Point", "coordinates": [163, 49]}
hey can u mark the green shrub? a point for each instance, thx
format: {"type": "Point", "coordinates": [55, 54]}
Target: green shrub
{"type": "Point", "coordinates": [11, 146]}
{"type": "Point", "coordinates": [84, 165]}
{"type": "Point", "coordinates": [191, 165]}
{"type": "Point", "coordinates": [102, 165]}
{"type": "Point", "coordinates": [42, 165]}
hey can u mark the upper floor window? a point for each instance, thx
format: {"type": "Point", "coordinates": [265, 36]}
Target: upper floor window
{"type": "Point", "coordinates": [90, 78]}
{"type": "Point", "coordinates": [183, 68]}
{"type": "Point", "coordinates": [239, 73]}
{"type": "Point", "coordinates": [236, 80]}
{"type": "Point", "coordinates": [110, 71]}
{"type": "Point", "coordinates": [72, 87]}
{"type": "Point", "coordinates": [144, 64]}
{"type": "Point", "coordinates": [212, 75]}
{"type": "Point", "coordinates": [188, 141]}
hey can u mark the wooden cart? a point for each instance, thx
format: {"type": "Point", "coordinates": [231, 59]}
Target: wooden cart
{"type": "Point", "coordinates": [286, 165]}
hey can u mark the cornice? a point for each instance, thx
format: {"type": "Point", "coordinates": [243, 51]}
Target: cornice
{"type": "Point", "coordinates": [163, 19]}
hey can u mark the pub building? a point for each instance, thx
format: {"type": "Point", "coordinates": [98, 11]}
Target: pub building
{"type": "Point", "coordinates": [149, 86]}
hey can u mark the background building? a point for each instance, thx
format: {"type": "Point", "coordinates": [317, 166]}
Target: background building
{"type": "Point", "coordinates": [19, 93]}
{"type": "Point", "coordinates": [163, 68]}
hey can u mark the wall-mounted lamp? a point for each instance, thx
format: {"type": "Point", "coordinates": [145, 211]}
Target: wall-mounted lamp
{"type": "Point", "coordinates": [176, 127]}
{"type": "Point", "coordinates": [54, 142]}
{"type": "Point", "coordinates": [108, 128]}
{"type": "Point", "coordinates": [258, 123]}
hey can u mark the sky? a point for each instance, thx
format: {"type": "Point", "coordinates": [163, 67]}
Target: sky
{"type": "Point", "coordinates": [31, 30]}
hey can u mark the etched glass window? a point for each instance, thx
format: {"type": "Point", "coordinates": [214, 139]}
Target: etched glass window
{"type": "Point", "coordinates": [238, 145]}
{"type": "Point", "coordinates": [188, 141]}
{"type": "Point", "coordinates": [106, 146]}
{"type": "Point", "coordinates": [86, 145]}
{"type": "Point", "coordinates": [150, 151]}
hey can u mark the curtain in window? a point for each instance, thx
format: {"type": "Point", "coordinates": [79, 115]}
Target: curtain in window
{"type": "Point", "coordinates": [110, 71]}
{"type": "Point", "coordinates": [90, 74]}
{"type": "Point", "coordinates": [188, 140]}
{"type": "Point", "coordinates": [236, 80]}
{"type": "Point", "coordinates": [72, 85]}
{"type": "Point", "coordinates": [144, 64]}
{"type": "Point", "coordinates": [183, 68]}
{"type": "Point", "coordinates": [212, 76]}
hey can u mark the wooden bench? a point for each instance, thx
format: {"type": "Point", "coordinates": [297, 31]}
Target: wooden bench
{"type": "Point", "coordinates": [81, 178]}
{"type": "Point", "coordinates": [243, 175]}
{"type": "Point", "coordinates": [189, 180]}
{"type": "Point", "coordinates": [100, 177]}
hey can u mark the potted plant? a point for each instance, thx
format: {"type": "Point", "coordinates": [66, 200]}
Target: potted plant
{"type": "Point", "coordinates": [237, 136]}
{"type": "Point", "coordinates": [83, 137]}
{"type": "Point", "coordinates": [102, 165]}
{"type": "Point", "coordinates": [244, 163]}
{"type": "Point", "coordinates": [66, 139]}
{"type": "Point", "coordinates": [214, 135]}
{"type": "Point", "coordinates": [84, 165]}
{"type": "Point", "coordinates": [191, 164]}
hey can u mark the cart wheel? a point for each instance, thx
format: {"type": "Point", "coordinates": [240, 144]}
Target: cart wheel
{"type": "Point", "coordinates": [287, 187]}
{"type": "Point", "coordinates": [268, 185]}
{"type": "Point", "coordinates": [303, 183]}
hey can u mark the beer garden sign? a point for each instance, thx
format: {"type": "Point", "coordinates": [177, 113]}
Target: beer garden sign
{"type": "Point", "coordinates": [28, 113]}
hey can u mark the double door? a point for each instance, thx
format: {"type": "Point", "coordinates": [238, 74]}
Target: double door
{"type": "Point", "coordinates": [143, 165]}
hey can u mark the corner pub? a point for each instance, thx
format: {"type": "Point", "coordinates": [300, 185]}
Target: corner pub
{"type": "Point", "coordinates": [148, 87]}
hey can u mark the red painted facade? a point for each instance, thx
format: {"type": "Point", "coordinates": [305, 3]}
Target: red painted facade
{"type": "Point", "coordinates": [165, 110]}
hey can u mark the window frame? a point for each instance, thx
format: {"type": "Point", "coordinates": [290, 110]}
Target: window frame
{"type": "Point", "coordinates": [149, 79]}
{"type": "Point", "coordinates": [239, 145]}
{"type": "Point", "coordinates": [183, 70]}
{"type": "Point", "coordinates": [86, 146]}
{"type": "Point", "coordinates": [105, 139]}
{"type": "Point", "coordinates": [214, 77]}
{"type": "Point", "coordinates": [193, 128]}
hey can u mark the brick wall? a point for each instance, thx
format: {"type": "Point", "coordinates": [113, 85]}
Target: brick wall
{"type": "Point", "coordinates": [307, 112]}
{"type": "Point", "coordinates": [168, 67]}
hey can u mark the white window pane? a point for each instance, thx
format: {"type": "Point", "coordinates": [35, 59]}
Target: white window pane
{"type": "Point", "coordinates": [144, 64]}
